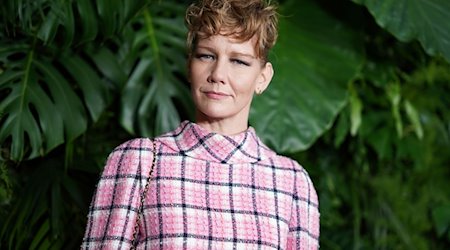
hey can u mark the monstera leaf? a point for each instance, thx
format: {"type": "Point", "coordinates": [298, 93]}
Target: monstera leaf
{"type": "Point", "coordinates": [84, 20]}
{"type": "Point", "coordinates": [423, 20]}
{"type": "Point", "coordinates": [39, 106]}
{"type": "Point", "coordinates": [52, 69]}
{"type": "Point", "coordinates": [155, 53]}
{"type": "Point", "coordinates": [313, 60]}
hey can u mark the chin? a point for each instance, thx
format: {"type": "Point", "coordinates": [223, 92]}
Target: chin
{"type": "Point", "coordinates": [209, 114]}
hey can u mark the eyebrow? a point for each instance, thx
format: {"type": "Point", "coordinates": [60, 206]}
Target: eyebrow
{"type": "Point", "coordinates": [233, 53]}
{"type": "Point", "coordinates": [243, 54]}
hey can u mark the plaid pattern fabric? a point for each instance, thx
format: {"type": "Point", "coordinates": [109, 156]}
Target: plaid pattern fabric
{"type": "Point", "coordinates": [208, 191]}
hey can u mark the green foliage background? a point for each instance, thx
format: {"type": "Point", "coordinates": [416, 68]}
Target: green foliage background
{"type": "Point", "coordinates": [361, 98]}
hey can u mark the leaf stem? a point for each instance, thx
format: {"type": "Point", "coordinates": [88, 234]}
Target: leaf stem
{"type": "Point", "coordinates": [25, 84]}
{"type": "Point", "coordinates": [153, 41]}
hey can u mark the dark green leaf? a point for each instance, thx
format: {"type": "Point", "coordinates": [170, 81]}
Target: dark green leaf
{"type": "Point", "coordinates": [315, 57]}
{"type": "Point", "coordinates": [441, 218]}
{"type": "Point", "coordinates": [381, 141]}
{"type": "Point", "coordinates": [69, 26]}
{"type": "Point", "coordinates": [40, 234]}
{"type": "Point", "coordinates": [59, 16]}
{"type": "Point", "coordinates": [132, 95]}
{"type": "Point", "coordinates": [40, 107]}
{"type": "Point", "coordinates": [109, 65]}
{"type": "Point", "coordinates": [424, 20]}
{"type": "Point", "coordinates": [47, 30]}
{"type": "Point", "coordinates": [74, 191]}
{"type": "Point", "coordinates": [22, 82]}
{"type": "Point", "coordinates": [67, 102]}
{"type": "Point", "coordinates": [157, 55]}
{"type": "Point", "coordinates": [94, 89]}
{"type": "Point", "coordinates": [88, 20]}
{"type": "Point", "coordinates": [109, 16]}
{"type": "Point", "coordinates": [57, 206]}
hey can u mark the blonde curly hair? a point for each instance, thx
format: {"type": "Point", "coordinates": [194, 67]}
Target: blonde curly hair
{"type": "Point", "coordinates": [237, 18]}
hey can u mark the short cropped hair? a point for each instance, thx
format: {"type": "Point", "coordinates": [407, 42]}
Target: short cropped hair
{"type": "Point", "coordinates": [241, 19]}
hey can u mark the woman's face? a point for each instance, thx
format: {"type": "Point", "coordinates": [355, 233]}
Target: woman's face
{"type": "Point", "coordinates": [224, 74]}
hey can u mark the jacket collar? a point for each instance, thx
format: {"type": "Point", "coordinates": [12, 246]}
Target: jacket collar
{"type": "Point", "coordinates": [194, 141]}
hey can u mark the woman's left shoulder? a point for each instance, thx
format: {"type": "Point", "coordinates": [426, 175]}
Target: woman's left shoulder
{"type": "Point", "coordinates": [286, 162]}
{"type": "Point", "coordinates": [277, 160]}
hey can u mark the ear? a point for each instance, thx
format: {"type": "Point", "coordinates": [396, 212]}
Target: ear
{"type": "Point", "coordinates": [265, 77]}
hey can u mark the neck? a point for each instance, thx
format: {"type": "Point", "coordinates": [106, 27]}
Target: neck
{"type": "Point", "coordinates": [222, 126]}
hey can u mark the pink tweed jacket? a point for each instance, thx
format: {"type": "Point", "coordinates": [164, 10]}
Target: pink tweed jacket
{"type": "Point", "coordinates": [207, 191]}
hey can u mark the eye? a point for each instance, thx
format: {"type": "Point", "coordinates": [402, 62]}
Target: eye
{"type": "Point", "coordinates": [204, 57]}
{"type": "Point", "coordinates": [240, 62]}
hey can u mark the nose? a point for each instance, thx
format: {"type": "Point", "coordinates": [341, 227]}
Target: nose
{"type": "Point", "coordinates": [218, 72]}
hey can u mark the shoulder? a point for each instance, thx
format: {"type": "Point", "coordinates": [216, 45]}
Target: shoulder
{"type": "Point", "coordinates": [285, 163]}
{"type": "Point", "coordinates": [297, 170]}
{"type": "Point", "coordinates": [297, 174]}
{"type": "Point", "coordinates": [136, 144]}
{"type": "Point", "coordinates": [131, 148]}
{"type": "Point", "coordinates": [129, 156]}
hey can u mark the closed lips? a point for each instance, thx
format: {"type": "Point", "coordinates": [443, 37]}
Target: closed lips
{"type": "Point", "coordinates": [215, 95]}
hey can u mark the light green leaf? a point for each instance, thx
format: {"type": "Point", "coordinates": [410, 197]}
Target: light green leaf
{"type": "Point", "coordinates": [315, 57]}
{"type": "Point", "coordinates": [342, 127]}
{"type": "Point", "coordinates": [424, 20]}
{"type": "Point", "coordinates": [394, 95]}
{"type": "Point", "coordinates": [355, 110]}
{"type": "Point", "coordinates": [413, 117]}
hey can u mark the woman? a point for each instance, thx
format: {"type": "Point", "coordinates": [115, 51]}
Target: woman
{"type": "Point", "coordinates": [214, 184]}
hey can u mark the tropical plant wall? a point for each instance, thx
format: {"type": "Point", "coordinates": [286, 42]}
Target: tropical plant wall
{"type": "Point", "coordinates": [361, 98]}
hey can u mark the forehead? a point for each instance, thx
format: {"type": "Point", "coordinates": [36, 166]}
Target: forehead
{"type": "Point", "coordinates": [228, 42]}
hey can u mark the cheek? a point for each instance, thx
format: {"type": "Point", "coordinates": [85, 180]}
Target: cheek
{"type": "Point", "coordinates": [245, 85]}
{"type": "Point", "coordinates": [196, 75]}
